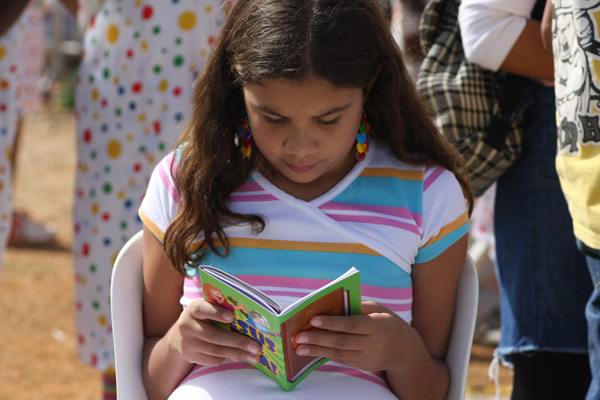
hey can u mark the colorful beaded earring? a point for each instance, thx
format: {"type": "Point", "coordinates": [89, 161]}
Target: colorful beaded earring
{"type": "Point", "coordinates": [243, 136]}
{"type": "Point", "coordinates": [362, 138]}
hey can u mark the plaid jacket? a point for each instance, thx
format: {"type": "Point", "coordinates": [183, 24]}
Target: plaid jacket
{"type": "Point", "coordinates": [461, 96]}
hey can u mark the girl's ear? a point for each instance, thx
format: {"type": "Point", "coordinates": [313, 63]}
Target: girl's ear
{"type": "Point", "coordinates": [372, 82]}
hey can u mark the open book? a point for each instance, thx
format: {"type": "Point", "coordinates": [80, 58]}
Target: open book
{"type": "Point", "coordinates": [273, 327]}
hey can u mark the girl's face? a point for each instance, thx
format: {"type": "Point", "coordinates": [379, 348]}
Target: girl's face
{"type": "Point", "coordinates": [305, 130]}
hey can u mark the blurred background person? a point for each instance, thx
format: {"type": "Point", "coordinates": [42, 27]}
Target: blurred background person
{"type": "Point", "coordinates": [571, 31]}
{"type": "Point", "coordinates": [543, 281]}
{"type": "Point", "coordinates": [140, 60]}
{"type": "Point", "coordinates": [405, 16]}
{"type": "Point", "coordinates": [22, 58]}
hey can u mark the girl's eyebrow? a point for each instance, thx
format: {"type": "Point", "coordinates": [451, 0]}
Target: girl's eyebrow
{"type": "Point", "coordinates": [334, 110]}
{"type": "Point", "coordinates": [267, 110]}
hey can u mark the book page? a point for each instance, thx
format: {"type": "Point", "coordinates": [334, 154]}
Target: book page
{"type": "Point", "coordinates": [244, 288]}
{"type": "Point", "coordinates": [287, 309]}
{"type": "Point", "coordinates": [334, 303]}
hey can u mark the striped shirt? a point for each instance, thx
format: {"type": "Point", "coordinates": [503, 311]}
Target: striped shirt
{"type": "Point", "coordinates": [382, 218]}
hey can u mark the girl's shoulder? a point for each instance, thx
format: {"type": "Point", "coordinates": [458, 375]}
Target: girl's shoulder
{"type": "Point", "coordinates": [424, 180]}
{"type": "Point", "coordinates": [170, 162]}
{"type": "Point", "coordinates": [415, 168]}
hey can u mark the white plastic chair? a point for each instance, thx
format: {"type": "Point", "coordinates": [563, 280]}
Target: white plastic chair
{"type": "Point", "coordinates": [126, 292]}
{"type": "Point", "coordinates": [128, 335]}
{"type": "Point", "coordinates": [463, 328]}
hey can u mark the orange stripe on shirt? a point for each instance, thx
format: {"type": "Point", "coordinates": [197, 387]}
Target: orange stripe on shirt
{"type": "Point", "coordinates": [404, 174]}
{"type": "Point", "coordinates": [355, 248]}
{"type": "Point", "coordinates": [451, 227]}
{"type": "Point", "coordinates": [152, 226]}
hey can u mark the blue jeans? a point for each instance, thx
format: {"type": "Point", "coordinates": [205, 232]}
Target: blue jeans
{"type": "Point", "coordinates": [543, 279]}
{"type": "Point", "coordinates": [592, 313]}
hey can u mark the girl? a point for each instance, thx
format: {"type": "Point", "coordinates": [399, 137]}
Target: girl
{"type": "Point", "coordinates": [309, 152]}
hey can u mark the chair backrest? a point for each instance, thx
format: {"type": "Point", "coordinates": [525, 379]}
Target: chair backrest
{"type": "Point", "coordinates": [126, 308]}
{"type": "Point", "coordinates": [128, 335]}
{"type": "Point", "coordinates": [463, 328]}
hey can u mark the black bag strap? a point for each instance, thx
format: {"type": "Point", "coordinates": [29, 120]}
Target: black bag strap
{"type": "Point", "coordinates": [512, 90]}
{"type": "Point", "coordinates": [538, 10]}
{"type": "Point", "coordinates": [504, 110]}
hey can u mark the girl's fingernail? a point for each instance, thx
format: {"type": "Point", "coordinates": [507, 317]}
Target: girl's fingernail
{"type": "Point", "coordinates": [301, 339]}
{"type": "Point", "coordinates": [316, 322]}
{"type": "Point", "coordinates": [227, 316]}
{"type": "Point", "coordinates": [253, 358]}
{"type": "Point", "coordinates": [302, 351]}
{"type": "Point", "coordinates": [253, 348]}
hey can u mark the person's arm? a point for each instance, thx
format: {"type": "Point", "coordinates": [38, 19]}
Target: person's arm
{"type": "Point", "coordinates": [177, 339]}
{"type": "Point", "coordinates": [547, 27]}
{"type": "Point", "coordinates": [411, 355]}
{"type": "Point", "coordinates": [434, 293]}
{"type": "Point", "coordinates": [528, 57]}
{"type": "Point", "coordinates": [11, 11]}
{"type": "Point", "coordinates": [501, 35]}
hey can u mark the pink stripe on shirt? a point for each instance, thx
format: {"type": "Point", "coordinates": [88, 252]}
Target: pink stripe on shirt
{"type": "Point", "coordinates": [432, 177]}
{"type": "Point", "coordinates": [201, 370]}
{"type": "Point", "coordinates": [397, 308]}
{"type": "Point", "coordinates": [250, 187]}
{"type": "Point", "coordinates": [367, 219]}
{"type": "Point", "coordinates": [165, 177]}
{"type": "Point", "coordinates": [373, 377]}
{"type": "Point", "coordinates": [309, 284]}
{"type": "Point", "coordinates": [355, 373]}
{"type": "Point", "coordinates": [398, 212]}
{"type": "Point", "coordinates": [173, 163]}
{"type": "Point", "coordinates": [251, 197]}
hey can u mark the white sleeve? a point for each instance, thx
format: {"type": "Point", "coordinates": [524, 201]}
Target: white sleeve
{"type": "Point", "coordinates": [159, 206]}
{"type": "Point", "coordinates": [490, 28]}
{"type": "Point", "coordinates": [445, 215]}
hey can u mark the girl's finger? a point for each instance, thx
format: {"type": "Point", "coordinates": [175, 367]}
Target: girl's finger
{"type": "Point", "coordinates": [331, 339]}
{"type": "Point", "coordinates": [213, 351]}
{"type": "Point", "coordinates": [203, 310]}
{"type": "Point", "coordinates": [341, 355]}
{"type": "Point", "coordinates": [357, 324]}
{"type": "Point", "coordinates": [226, 344]}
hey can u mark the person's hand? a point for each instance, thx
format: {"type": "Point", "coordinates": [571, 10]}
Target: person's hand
{"type": "Point", "coordinates": [199, 341]}
{"type": "Point", "coordinates": [376, 340]}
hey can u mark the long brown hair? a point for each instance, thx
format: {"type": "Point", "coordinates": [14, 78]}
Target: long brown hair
{"type": "Point", "coordinates": [345, 42]}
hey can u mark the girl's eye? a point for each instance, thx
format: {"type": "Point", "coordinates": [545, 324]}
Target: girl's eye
{"type": "Point", "coordinates": [330, 122]}
{"type": "Point", "coordinates": [273, 121]}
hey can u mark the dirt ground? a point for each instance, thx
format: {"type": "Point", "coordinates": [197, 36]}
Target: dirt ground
{"type": "Point", "coordinates": [38, 350]}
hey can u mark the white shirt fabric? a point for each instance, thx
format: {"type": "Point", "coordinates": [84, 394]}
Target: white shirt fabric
{"type": "Point", "coordinates": [490, 28]}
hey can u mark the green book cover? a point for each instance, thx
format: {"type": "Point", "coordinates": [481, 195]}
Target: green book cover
{"type": "Point", "coordinates": [273, 327]}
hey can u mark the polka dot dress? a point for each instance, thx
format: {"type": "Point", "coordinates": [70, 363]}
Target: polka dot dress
{"type": "Point", "coordinates": [132, 94]}
{"type": "Point", "coordinates": [9, 115]}
{"type": "Point", "coordinates": [21, 59]}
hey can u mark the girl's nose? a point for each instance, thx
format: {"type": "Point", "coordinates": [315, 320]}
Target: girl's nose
{"type": "Point", "coordinates": [300, 144]}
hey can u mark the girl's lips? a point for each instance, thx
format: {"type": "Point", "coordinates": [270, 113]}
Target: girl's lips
{"type": "Point", "coordinates": [300, 169]}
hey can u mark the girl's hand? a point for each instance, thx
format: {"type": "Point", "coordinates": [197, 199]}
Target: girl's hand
{"type": "Point", "coordinates": [376, 340]}
{"type": "Point", "coordinates": [199, 341]}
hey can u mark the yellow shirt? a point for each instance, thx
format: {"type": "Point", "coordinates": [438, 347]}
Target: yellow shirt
{"type": "Point", "coordinates": [577, 86]}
